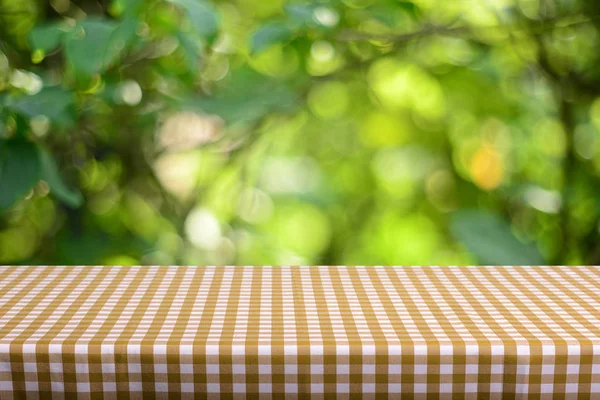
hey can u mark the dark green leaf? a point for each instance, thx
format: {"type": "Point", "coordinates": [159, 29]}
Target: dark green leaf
{"type": "Point", "coordinates": [3, 114]}
{"type": "Point", "coordinates": [86, 47]}
{"type": "Point", "coordinates": [53, 102]}
{"type": "Point", "coordinates": [490, 239]}
{"type": "Point", "coordinates": [96, 43]}
{"type": "Point", "coordinates": [46, 37]}
{"type": "Point", "coordinates": [51, 175]}
{"type": "Point", "coordinates": [94, 245]}
{"type": "Point", "coordinates": [19, 170]}
{"type": "Point", "coordinates": [202, 15]}
{"type": "Point", "coordinates": [268, 35]}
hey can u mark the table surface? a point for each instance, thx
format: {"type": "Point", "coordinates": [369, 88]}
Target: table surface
{"type": "Point", "coordinates": [267, 331]}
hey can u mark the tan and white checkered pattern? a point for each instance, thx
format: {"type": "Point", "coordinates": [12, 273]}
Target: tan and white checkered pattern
{"type": "Point", "coordinates": [274, 332]}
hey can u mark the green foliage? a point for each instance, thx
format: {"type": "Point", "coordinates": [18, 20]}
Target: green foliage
{"type": "Point", "coordinates": [299, 19]}
{"type": "Point", "coordinates": [299, 132]}
{"type": "Point", "coordinates": [193, 49]}
{"type": "Point", "coordinates": [53, 102]}
{"type": "Point", "coordinates": [202, 16]}
{"type": "Point", "coordinates": [19, 170]}
{"type": "Point", "coordinates": [127, 8]}
{"type": "Point", "coordinates": [247, 97]}
{"type": "Point", "coordinates": [301, 15]}
{"type": "Point", "coordinates": [490, 239]}
{"type": "Point", "coordinates": [46, 37]}
{"type": "Point", "coordinates": [22, 165]}
{"type": "Point", "coordinates": [268, 35]}
{"type": "Point", "coordinates": [51, 175]}
{"type": "Point", "coordinates": [107, 38]}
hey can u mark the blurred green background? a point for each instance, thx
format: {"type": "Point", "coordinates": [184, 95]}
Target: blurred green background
{"type": "Point", "coordinates": [279, 132]}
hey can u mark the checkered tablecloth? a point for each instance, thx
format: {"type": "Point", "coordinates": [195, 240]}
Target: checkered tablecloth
{"type": "Point", "coordinates": [274, 332]}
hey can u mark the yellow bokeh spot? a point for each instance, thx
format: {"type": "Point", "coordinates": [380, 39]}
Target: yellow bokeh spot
{"type": "Point", "coordinates": [487, 167]}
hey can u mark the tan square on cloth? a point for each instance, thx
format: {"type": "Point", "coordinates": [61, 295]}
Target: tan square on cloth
{"type": "Point", "coordinates": [271, 332]}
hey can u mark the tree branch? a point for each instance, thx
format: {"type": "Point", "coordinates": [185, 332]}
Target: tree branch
{"type": "Point", "coordinates": [562, 85]}
{"type": "Point", "coordinates": [536, 27]}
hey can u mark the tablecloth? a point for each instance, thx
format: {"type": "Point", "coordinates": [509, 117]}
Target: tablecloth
{"type": "Point", "coordinates": [289, 332]}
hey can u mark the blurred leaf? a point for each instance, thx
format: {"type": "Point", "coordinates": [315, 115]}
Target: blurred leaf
{"type": "Point", "coordinates": [82, 248]}
{"type": "Point", "coordinates": [232, 103]}
{"type": "Point", "coordinates": [3, 113]}
{"type": "Point", "coordinates": [93, 246]}
{"type": "Point", "coordinates": [192, 50]}
{"type": "Point", "coordinates": [202, 15]}
{"type": "Point", "coordinates": [300, 15]}
{"type": "Point", "coordinates": [123, 36]}
{"type": "Point", "coordinates": [395, 13]}
{"type": "Point", "coordinates": [19, 170]}
{"type": "Point", "coordinates": [55, 103]}
{"type": "Point", "coordinates": [46, 37]}
{"type": "Point", "coordinates": [411, 8]}
{"type": "Point", "coordinates": [268, 35]}
{"type": "Point", "coordinates": [463, 87]}
{"type": "Point", "coordinates": [490, 239]}
{"type": "Point", "coordinates": [126, 7]}
{"type": "Point", "coordinates": [90, 34]}
{"type": "Point", "coordinates": [96, 43]}
{"type": "Point", "coordinates": [16, 19]}
{"type": "Point", "coordinates": [51, 175]}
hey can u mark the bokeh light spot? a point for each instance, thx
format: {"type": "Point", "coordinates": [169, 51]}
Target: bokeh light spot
{"type": "Point", "coordinates": [487, 167]}
{"type": "Point", "coordinates": [203, 229]}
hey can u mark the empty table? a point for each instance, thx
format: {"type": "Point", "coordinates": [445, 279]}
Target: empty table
{"type": "Point", "coordinates": [274, 332]}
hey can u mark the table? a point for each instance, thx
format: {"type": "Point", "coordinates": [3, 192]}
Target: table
{"type": "Point", "coordinates": [274, 332]}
